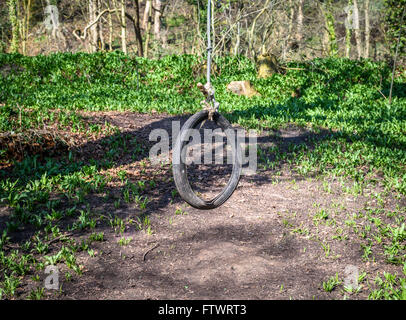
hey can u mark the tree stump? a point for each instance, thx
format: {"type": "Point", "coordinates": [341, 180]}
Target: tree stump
{"type": "Point", "coordinates": [267, 65]}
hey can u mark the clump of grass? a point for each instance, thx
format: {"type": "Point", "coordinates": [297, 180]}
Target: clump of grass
{"type": "Point", "coordinates": [331, 283]}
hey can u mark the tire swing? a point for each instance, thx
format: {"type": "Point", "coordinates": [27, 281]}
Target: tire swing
{"type": "Point", "coordinates": [210, 113]}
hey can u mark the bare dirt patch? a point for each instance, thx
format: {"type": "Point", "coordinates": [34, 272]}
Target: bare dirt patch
{"type": "Point", "coordinates": [268, 241]}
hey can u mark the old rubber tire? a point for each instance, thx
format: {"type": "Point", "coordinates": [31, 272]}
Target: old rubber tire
{"type": "Point", "coordinates": [180, 169]}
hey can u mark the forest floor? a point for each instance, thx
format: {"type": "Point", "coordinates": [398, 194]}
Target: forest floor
{"type": "Point", "coordinates": [279, 236]}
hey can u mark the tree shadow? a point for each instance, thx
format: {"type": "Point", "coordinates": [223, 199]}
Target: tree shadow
{"type": "Point", "coordinates": [126, 149]}
{"type": "Point", "coordinates": [242, 261]}
{"type": "Point", "coordinates": [129, 148]}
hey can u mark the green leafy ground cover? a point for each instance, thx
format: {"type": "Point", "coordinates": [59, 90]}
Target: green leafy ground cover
{"type": "Point", "coordinates": [366, 140]}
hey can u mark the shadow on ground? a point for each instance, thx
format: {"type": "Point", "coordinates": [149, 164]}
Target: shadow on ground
{"type": "Point", "coordinates": [225, 253]}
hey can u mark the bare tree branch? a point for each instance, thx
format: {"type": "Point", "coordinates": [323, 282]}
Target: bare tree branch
{"type": "Point", "coordinates": [83, 37]}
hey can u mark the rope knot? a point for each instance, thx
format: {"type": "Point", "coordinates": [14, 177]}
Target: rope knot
{"type": "Point", "coordinates": [209, 104]}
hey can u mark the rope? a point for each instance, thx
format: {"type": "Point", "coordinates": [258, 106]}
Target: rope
{"type": "Point", "coordinates": [209, 44]}
{"type": "Point", "coordinates": [210, 103]}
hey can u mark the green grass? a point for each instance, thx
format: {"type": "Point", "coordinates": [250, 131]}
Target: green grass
{"type": "Point", "coordinates": [356, 137]}
{"type": "Point", "coordinates": [366, 135]}
{"type": "Point", "coordinates": [331, 283]}
{"type": "Point", "coordinates": [391, 287]}
{"type": "Point", "coordinates": [124, 241]}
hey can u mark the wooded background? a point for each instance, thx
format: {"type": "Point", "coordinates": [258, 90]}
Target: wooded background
{"type": "Point", "coordinates": [289, 29]}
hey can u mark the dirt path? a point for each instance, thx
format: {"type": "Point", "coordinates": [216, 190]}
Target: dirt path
{"type": "Point", "coordinates": [266, 242]}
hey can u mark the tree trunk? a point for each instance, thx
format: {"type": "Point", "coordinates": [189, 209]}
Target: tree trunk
{"type": "Point", "coordinates": [238, 41]}
{"type": "Point", "coordinates": [148, 29]}
{"type": "Point", "coordinates": [24, 22]}
{"type": "Point", "coordinates": [138, 29]}
{"type": "Point", "coordinates": [367, 30]}
{"type": "Point", "coordinates": [21, 24]}
{"type": "Point", "coordinates": [290, 30]}
{"type": "Point", "coordinates": [93, 28]}
{"type": "Point", "coordinates": [12, 11]}
{"type": "Point", "coordinates": [101, 43]}
{"type": "Point", "coordinates": [157, 19]}
{"type": "Point", "coordinates": [117, 11]}
{"type": "Point", "coordinates": [299, 29]}
{"type": "Point", "coordinates": [110, 22]}
{"type": "Point", "coordinates": [332, 46]}
{"type": "Point", "coordinates": [183, 42]}
{"type": "Point", "coordinates": [357, 29]}
{"type": "Point", "coordinates": [28, 17]}
{"type": "Point", "coordinates": [325, 43]}
{"type": "Point", "coordinates": [123, 27]}
{"type": "Point", "coordinates": [147, 10]}
{"type": "Point", "coordinates": [348, 27]}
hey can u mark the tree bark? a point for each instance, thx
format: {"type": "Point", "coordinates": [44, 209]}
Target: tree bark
{"type": "Point", "coordinates": [138, 29]}
{"type": "Point", "coordinates": [348, 26]}
{"type": "Point", "coordinates": [123, 27]}
{"type": "Point", "coordinates": [12, 11]}
{"type": "Point", "coordinates": [290, 29]}
{"type": "Point", "coordinates": [28, 17]}
{"type": "Point", "coordinates": [238, 40]}
{"type": "Point", "coordinates": [21, 24]}
{"type": "Point", "coordinates": [91, 24]}
{"type": "Point", "coordinates": [367, 30]}
{"type": "Point", "coordinates": [110, 22]}
{"type": "Point", "coordinates": [357, 29]}
{"type": "Point", "coordinates": [157, 19]}
{"type": "Point", "coordinates": [148, 29]}
{"type": "Point", "coordinates": [299, 29]}
{"type": "Point", "coordinates": [147, 10]}
{"type": "Point", "coordinates": [332, 47]}
{"type": "Point", "coordinates": [101, 43]}
{"type": "Point", "coordinates": [93, 28]}
{"type": "Point", "coordinates": [24, 22]}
